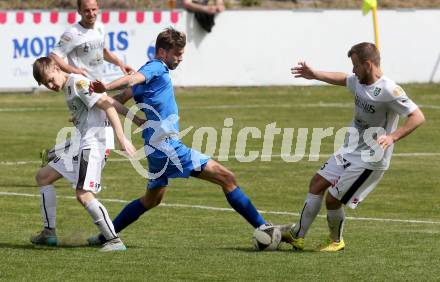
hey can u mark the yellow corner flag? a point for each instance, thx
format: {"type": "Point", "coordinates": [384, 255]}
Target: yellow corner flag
{"type": "Point", "coordinates": [368, 5]}
{"type": "Point", "coordinates": [371, 5]}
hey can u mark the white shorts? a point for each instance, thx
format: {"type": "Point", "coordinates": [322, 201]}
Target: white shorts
{"type": "Point", "coordinates": [67, 167]}
{"type": "Point", "coordinates": [84, 170]}
{"type": "Point", "coordinates": [350, 183]}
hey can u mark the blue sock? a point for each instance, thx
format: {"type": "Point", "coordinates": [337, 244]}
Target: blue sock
{"type": "Point", "coordinates": [243, 205]}
{"type": "Point", "coordinates": [127, 216]}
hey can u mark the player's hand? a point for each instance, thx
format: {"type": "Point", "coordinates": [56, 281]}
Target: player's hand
{"type": "Point", "coordinates": [97, 86]}
{"type": "Point", "coordinates": [81, 71]}
{"type": "Point", "coordinates": [220, 8]}
{"type": "Point", "coordinates": [127, 147]}
{"type": "Point", "coordinates": [212, 10]}
{"type": "Point", "coordinates": [126, 69]}
{"type": "Point", "coordinates": [385, 141]}
{"type": "Point", "coordinates": [303, 70]}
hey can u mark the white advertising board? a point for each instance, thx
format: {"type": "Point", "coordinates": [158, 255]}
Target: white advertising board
{"type": "Point", "coordinates": [245, 48]}
{"type": "Point", "coordinates": [28, 35]}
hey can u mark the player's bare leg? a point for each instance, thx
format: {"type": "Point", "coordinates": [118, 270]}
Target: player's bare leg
{"type": "Point", "coordinates": [153, 197]}
{"type": "Point", "coordinates": [218, 174]}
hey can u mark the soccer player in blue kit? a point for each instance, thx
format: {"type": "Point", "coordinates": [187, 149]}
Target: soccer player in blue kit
{"type": "Point", "coordinates": [167, 156]}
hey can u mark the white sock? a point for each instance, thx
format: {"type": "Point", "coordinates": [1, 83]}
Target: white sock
{"type": "Point", "coordinates": [335, 220]}
{"type": "Point", "coordinates": [311, 208]}
{"type": "Point", "coordinates": [48, 205]}
{"type": "Point", "coordinates": [101, 219]}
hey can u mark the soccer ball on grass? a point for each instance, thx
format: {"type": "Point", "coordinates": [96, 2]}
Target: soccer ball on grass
{"type": "Point", "coordinates": [267, 237]}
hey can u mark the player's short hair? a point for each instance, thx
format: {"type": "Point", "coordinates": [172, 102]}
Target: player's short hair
{"type": "Point", "coordinates": [366, 51]}
{"type": "Point", "coordinates": [170, 39]}
{"type": "Point", "coordinates": [79, 2]}
{"type": "Point", "coordinates": [41, 67]}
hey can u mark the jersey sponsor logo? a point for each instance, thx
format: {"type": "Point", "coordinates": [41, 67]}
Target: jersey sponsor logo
{"type": "Point", "coordinates": [92, 45]}
{"type": "Point", "coordinates": [82, 85]}
{"type": "Point", "coordinates": [377, 91]}
{"type": "Point", "coordinates": [364, 105]}
{"type": "Point", "coordinates": [398, 91]}
{"type": "Point", "coordinates": [66, 37]}
{"type": "Point", "coordinates": [94, 185]}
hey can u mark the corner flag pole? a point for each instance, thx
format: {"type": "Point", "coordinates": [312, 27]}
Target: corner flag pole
{"type": "Point", "coordinates": [366, 7]}
{"type": "Point", "coordinates": [376, 27]}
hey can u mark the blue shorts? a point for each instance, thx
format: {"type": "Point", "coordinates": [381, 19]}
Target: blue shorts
{"type": "Point", "coordinates": [172, 159]}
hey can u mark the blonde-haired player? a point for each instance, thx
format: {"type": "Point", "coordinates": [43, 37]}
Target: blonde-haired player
{"type": "Point", "coordinates": [90, 112]}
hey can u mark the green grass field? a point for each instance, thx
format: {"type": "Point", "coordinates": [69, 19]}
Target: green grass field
{"type": "Point", "coordinates": [392, 236]}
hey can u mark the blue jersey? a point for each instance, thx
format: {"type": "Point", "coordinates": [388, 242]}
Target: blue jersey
{"type": "Point", "coordinates": [157, 92]}
{"type": "Point", "coordinates": [167, 156]}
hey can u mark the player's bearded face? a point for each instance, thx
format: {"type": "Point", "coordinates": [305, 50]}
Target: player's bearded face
{"type": "Point", "coordinates": [89, 11]}
{"type": "Point", "coordinates": [360, 69]}
{"type": "Point", "coordinates": [173, 57]}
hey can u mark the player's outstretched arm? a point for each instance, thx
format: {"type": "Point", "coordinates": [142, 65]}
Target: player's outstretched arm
{"type": "Point", "coordinates": [303, 70]}
{"type": "Point", "coordinates": [105, 103]}
{"type": "Point", "coordinates": [126, 81]}
{"type": "Point", "coordinates": [112, 58]}
{"type": "Point", "coordinates": [66, 67]}
{"type": "Point", "coordinates": [414, 120]}
{"type": "Point", "coordinates": [195, 7]}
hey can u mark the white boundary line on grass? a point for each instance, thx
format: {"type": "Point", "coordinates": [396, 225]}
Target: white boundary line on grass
{"type": "Point", "coordinates": [233, 106]}
{"type": "Point", "coordinates": [231, 210]}
{"type": "Point", "coordinates": [404, 155]}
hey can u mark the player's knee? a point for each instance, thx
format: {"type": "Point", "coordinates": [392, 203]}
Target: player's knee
{"type": "Point", "coordinates": [41, 178]}
{"type": "Point", "coordinates": [150, 201]}
{"type": "Point", "coordinates": [318, 185]}
{"type": "Point", "coordinates": [228, 180]}
{"type": "Point", "coordinates": [80, 199]}
{"type": "Point", "coordinates": [155, 201]}
{"type": "Point", "coordinates": [83, 197]}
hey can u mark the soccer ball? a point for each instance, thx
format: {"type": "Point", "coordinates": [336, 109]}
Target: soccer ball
{"type": "Point", "coordinates": [267, 237]}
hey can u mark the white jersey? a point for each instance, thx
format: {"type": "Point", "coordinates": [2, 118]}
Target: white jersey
{"type": "Point", "coordinates": [84, 48]}
{"type": "Point", "coordinates": [376, 106]}
{"type": "Point", "coordinates": [88, 119]}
